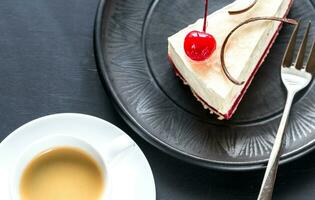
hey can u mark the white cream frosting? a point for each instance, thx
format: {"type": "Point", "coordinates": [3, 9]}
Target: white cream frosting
{"type": "Point", "coordinates": [243, 52]}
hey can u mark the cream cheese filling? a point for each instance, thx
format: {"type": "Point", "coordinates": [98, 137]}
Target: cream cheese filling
{"type": "Point", "coordinates": [243, 52]}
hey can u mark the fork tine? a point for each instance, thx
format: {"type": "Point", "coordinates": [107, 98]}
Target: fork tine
{"type": "Point", "coordinates": [299, 63]}
{"type": "Point", "coordinates": [310, 66]}
{"type": "Point", "coordinates": [288, 56]}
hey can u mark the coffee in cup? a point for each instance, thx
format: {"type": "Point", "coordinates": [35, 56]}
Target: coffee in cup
{"type": "Point", "coordinates": [62, 173]}
{"type": "Point", "coordinates": [62, 167]}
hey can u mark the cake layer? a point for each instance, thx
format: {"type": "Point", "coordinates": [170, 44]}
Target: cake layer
{"type": "Point", "coordinates": [244, 53]}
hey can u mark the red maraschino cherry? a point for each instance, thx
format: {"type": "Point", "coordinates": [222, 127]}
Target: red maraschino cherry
{"type": "Point", "coordinates": [198, 45]}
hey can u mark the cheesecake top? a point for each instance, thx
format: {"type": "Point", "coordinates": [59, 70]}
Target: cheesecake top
{"type": "Point", "coordinates": [243, 50]}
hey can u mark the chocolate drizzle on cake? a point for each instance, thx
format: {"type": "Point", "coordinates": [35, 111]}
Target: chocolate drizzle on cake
{"type": "Point", "coordinates": [250, 20]}
{"type": "Point", "coordinates": [235, 12]}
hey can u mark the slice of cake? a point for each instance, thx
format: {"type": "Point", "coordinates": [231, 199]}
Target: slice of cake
{"type": "Point", "coordinates": [244, 53]}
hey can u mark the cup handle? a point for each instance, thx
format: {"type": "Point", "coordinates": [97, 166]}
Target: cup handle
{"type": "Point", "coordinates": [117, 146]}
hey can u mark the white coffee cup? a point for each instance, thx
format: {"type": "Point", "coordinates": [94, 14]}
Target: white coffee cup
{"type": "Point", "coordinates": [102, 156]}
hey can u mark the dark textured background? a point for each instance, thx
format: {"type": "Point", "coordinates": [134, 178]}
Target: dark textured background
{"type": "Point", "coordinates": [47, 66]}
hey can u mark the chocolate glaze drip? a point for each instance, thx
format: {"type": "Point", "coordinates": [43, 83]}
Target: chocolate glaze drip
{"type": "Point", "coordinates": [250, 20]}
{"type": "Point", "coordinates": [235, 12]}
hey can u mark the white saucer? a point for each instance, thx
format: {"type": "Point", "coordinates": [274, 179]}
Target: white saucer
{"type": "Point", "coordinates": [132, 177]}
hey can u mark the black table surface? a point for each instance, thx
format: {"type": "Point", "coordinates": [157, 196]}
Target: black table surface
{"type": "Point", "coordinates": [47, 66]}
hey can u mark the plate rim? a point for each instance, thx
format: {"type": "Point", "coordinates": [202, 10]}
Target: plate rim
{"type": "Point", "coordinates": [139, 130]}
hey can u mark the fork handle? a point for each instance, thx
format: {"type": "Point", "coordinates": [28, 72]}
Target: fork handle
{"type": "Point", "coordinates": [267, 186]}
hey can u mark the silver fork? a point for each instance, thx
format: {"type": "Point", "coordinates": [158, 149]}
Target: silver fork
{"type": "Point", "coordinates": [295, 76]}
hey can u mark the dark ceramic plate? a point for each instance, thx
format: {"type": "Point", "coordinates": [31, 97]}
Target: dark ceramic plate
{"type": "Point", "coordinates": [131, 48]}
